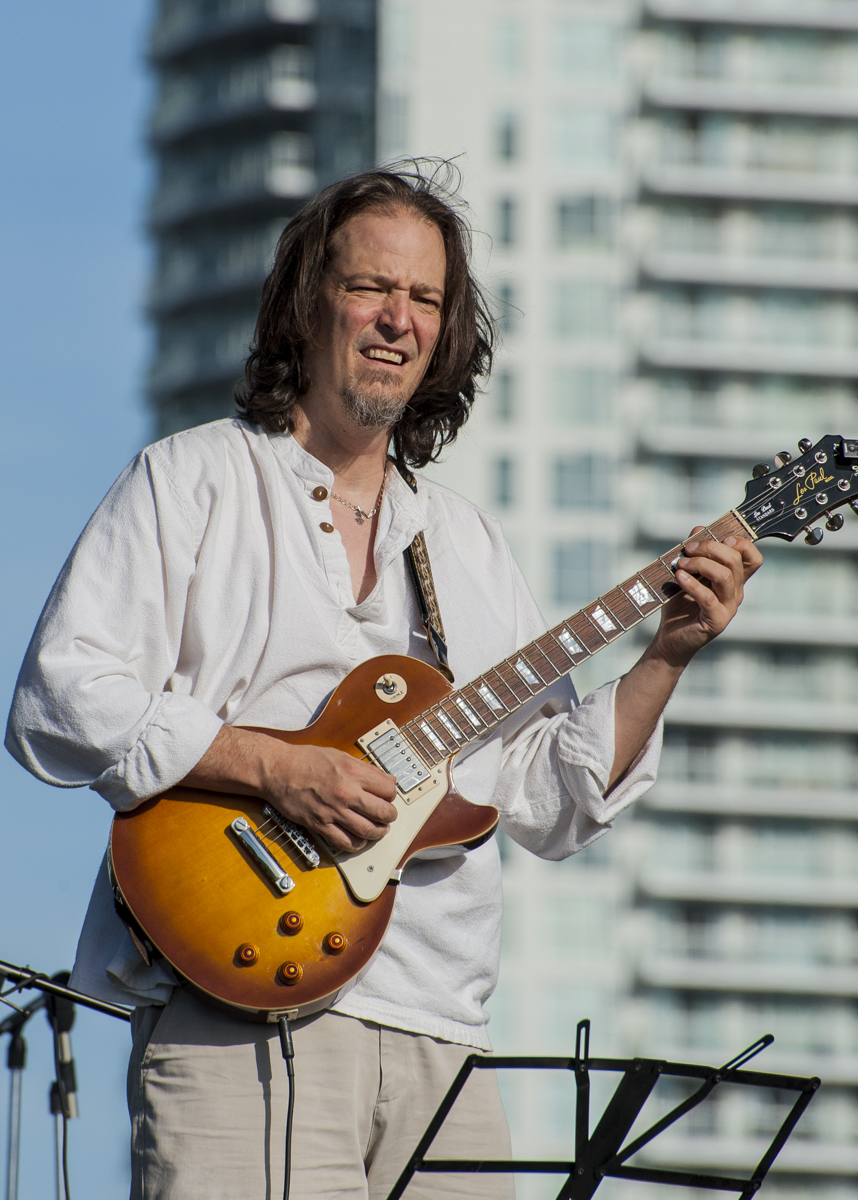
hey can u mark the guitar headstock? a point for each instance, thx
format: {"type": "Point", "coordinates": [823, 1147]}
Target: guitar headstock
{"type": "Point", "coordinates": [788, 500]}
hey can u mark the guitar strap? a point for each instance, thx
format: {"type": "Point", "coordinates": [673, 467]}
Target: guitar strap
{"type": "Point", "coordinates": [420, 570]}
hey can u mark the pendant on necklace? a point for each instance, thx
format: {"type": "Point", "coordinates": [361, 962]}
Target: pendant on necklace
{"type": "Point", "coordinates": [358, 518]}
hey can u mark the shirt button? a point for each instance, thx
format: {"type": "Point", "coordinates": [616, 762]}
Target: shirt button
{"type": "Point", "coordinates": [320, 493]}
{"type": "Point", "coordinates": [326, 527]}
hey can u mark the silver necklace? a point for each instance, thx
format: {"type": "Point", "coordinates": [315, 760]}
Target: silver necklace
{"type": "Point", "coordinates": [360, 515]}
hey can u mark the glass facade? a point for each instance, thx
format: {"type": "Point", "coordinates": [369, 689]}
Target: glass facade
{"type": "Point", "coordinates": [683, 270]}
{"type": "Point", "coordinates": [258, 104]}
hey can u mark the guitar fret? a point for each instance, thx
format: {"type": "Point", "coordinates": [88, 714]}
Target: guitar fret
{"type": "Point", "coordinates": [449, 717]}
{"type": "Point", "coordinates": [421, 743]}
{"type": "Point", "coordinates": [470, 715]}
{"type": "Point", "coordinates": [547, 668]}
{"type": "Point", "coordinates": [499, 685]}
{"type": "Point", "coordinates": [478, 704]}
{"type": "Point", "coordinates": [513, 682]}
{"type": "Point", "coordinates": [527, 672]}
{"type": "Point", "coordinates": [604, 619]}
{"type": "Point", "coordinates": [483, 703]}
{"type": "Point", "coordinates": [622, 608]}
{"type": "Point", "coordinates": [491, 698]}
{"type": "Point", "coordinates": [435, 735]}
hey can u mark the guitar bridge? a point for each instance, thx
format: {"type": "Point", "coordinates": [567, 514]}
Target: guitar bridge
{"type": "Point", "coordinates": [296, 837]}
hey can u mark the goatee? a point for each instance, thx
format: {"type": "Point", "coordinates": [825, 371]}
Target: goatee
{"type": "Point", "coordinates": [373, 407]}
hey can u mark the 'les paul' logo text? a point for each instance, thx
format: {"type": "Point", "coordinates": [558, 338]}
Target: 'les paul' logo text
{"type": "Point", "coordinates": [813, 479]}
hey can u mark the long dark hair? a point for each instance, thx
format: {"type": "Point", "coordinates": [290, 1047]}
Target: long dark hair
{"type": "Point", "coordinates": [274, 376]}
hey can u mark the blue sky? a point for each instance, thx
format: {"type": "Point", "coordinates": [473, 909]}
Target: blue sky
{"type": "Point", "coordinates": [73, 94]}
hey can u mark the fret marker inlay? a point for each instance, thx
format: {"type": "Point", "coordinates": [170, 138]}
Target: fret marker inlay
{"type": "Point", "coordinates": [468, 711]}
{"type": "Point", "coordinates": [568, 642]}
{"type": "Point", "coordinates": [526, 673]}
{"type": "Point", "coordinates": [640, 595]}
{"type": "Point", "coordinates": [433, 737]}
{"type": "Point", "coordinates": [598, 614]}
{"type": "Point", "coordinates": [442, 716]}
{"type": "Point", "coordinates": [490, 698]}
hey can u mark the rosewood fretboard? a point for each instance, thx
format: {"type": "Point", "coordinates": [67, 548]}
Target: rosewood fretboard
{"type": "Point", "coordinates": [484, 702]}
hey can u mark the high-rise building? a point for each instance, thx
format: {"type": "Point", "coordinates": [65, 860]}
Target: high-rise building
{"type": "Point", "coordinates": [669, 197]}
{"type": "Point", "coordinates": [259, 104]}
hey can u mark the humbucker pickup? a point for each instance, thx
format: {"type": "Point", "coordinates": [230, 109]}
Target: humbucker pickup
{"type": "Point", "coordinates": [395, 754]}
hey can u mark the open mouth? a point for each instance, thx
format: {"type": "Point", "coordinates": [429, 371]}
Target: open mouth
{"type": "Point", "coordinates": [395, 357]}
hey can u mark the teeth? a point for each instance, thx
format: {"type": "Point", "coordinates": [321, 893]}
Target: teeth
{"type": "Point", "coordinates": [392, 356]}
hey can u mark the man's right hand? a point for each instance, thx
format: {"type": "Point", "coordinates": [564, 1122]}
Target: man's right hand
{"type": "Point", "coordinates": [342, 799]}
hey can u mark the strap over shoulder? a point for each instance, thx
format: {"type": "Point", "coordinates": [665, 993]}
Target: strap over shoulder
{"type": "Point", "coordinates": [420, 569]}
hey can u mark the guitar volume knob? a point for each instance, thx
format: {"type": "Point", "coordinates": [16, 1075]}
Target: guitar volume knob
{"type": "Point", "coordinates": [291, 922]}
{"type": "Point", "coordinates": [290, 973]}
{"type": "Point", "coordinates": [247, 954]}
{"type": "Point", "coordinates": [334, 943]}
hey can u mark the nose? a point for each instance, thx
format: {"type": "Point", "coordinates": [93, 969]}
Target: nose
{"type": "Point", "coordinates": [395, 315]}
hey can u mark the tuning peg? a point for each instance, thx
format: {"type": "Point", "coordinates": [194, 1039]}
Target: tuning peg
{"type": "Point", "coordinates": [813, 537]}
{"type": "Point", "coordinates": [805, 444]}
{"type": "Point", "coordinates": [782, 458]}
{"type": "Point", "coordinates": [760, 470]}
{"type": "Point", "coordinates": [853, 504]}
{"type": "Point", "coordinates": [834, 522]}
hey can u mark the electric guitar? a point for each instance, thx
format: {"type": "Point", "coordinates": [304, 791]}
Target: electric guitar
{"type": "Point", "coordinates": [258, 916]}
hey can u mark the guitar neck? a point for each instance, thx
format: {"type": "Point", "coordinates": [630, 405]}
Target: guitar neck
{"type": "Point", "coordinates": [485, 702]}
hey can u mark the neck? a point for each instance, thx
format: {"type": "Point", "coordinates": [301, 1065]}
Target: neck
{"type": "Point", "coordinates": [356, 456]}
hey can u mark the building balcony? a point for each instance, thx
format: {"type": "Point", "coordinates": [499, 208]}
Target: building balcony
{"type": "Point", "coordinates": [189, 199]}
{"type": "Point", "coordinates": [735, 96]}
{"type": "Point", "coordinates": [734, 712]}
{"type": "Point", "coordinates": [703, 441]}
{"type": "Point", "coordinates": [727, 183]}
{"type": "Point", "coordinates": [667, 529]}
{"type": "Point", "coordinates": [799, 1156]}
{"type": "Point", "coordinates": [171, 296]}
{"type": "Point", "coordinates": [751, 358]}
{"type": "Point", "coordinates": [729, 800]}
{"type": "Point", "coordinates": [724, 271]}
{"type": "Point", "coordinates": [174, 122]}
{"type": "Point", "coordinates": [709, 975]}
{"type": "Point", "coordinates": [798, 14]}
{"type": "Point", "coordinates": [770, 890]}
{"type": "Point", "coordinates": [193, 24]}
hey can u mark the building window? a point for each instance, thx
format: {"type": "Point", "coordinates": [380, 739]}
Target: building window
{"type": "Point", "coordinates": [509, 46]}
{"type": "Point", "coordinates": [585, 310]}
{"type": "Point", "coordinates": [584, 137]}
{"type": "Point", "coordinates": [507, 313]}
{"type": "Point", "coordinates": [503, 395]}
{"type": "Point", "coordinates": [507, 221]}
{"type": "Point", "coordinates": [582, 396]}
{"type": "Point", "coordinates": [580, 572]}
{"type": "Point", "coordinates": [503, 481]}
{"type": "Point", "coordinates": [508, 137]}
{"type": "Point", "coordinates": [585, 48]}
{"type": "Point", "coordinates": [581, 481]}
{"type": "Point", "coordinates": [585, 221]}
{"type": "Point", "coordinates": [689, 756]}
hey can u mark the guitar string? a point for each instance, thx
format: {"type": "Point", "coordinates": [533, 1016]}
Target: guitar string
{"type": "Point", "coordinates": [276, 835]}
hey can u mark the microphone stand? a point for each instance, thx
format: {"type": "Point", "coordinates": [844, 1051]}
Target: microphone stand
{"type": "Point", "coordinates": [59, 999]}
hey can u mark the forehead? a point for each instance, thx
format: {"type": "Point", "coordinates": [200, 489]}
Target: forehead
{"type": "Point", "coordinates": [399, 244]}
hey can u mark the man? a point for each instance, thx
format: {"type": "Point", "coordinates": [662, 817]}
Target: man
{"type": "Point", "coordinates": [232, 577]}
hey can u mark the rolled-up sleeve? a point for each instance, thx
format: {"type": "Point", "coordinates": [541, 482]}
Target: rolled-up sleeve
{"type": "Point", "coordinates": [93, 705]}
{"type": "Point", "coordinates": [557, 760]}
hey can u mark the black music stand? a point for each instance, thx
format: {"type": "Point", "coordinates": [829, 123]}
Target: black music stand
{"type": "Point", "coordinates": [602, 1155]}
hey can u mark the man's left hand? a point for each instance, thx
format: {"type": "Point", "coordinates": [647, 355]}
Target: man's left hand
{"type": "Point", "coordinates": [712, 576]}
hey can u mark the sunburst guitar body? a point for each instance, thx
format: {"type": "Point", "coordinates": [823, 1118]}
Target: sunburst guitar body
{"type": "Point", "coordinates": [258, 917]}
{"type": "Point", "coordinates": [253, 913]}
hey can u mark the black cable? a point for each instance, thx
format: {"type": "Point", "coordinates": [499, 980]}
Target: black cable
{"type": "Point", "coordinates": [288, 1052]}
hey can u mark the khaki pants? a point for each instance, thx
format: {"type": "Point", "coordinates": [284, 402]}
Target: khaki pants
{"type": "Point", "coordinates": [207, 1097]}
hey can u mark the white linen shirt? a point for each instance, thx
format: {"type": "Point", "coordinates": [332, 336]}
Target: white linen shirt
{"type": "Point", "coordinates": [203, 591]}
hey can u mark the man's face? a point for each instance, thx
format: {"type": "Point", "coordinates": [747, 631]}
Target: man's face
{"type": "Point", "coordinates": [379, 315]}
